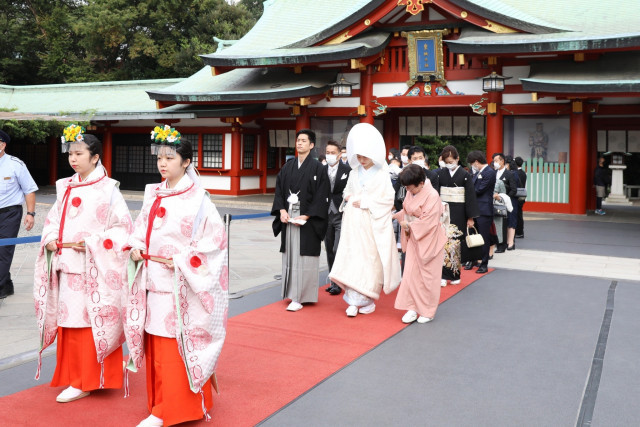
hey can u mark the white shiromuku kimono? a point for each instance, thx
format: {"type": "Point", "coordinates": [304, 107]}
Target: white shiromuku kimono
{"type": "Point", "coordinates": [78, 289]}
{"type": "Point", "coordinates": [188, 303]}
{"type": "Point", "coordinates": [367, 259]}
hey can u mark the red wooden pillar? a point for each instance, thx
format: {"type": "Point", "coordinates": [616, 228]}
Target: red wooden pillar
{"type": "Point", "coordinates": [302, 120]}
{"type": "Point", "coordinates": [262, 163]}
{"type": "Point", "coordinates": [236, 157]}
{"type": "Point", "coordinates": [495, 128]}
{"type": "Point", "coordinates": [107, 150]}
{"type": "Point", "coordinates": [53, 148]}
{"type": "Point", "coordinates": [366, 95]}
{"type": "Point", "coordinates": [578, 163]}
{"type": "Point", "coordinates": [390, 131]}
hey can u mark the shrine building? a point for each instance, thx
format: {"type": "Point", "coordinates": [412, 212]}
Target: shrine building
{"type": "Point", "coordinates": [555, 83]}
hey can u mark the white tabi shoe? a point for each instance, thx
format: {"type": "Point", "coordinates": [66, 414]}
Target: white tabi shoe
{"type": "Point", "coordinates": [443, 282]}
{"type": "Point", "coordinates": [409, 317]}
{"type": "Point", "coordinates": [151, 421]}
{"type": "Point", "coordinates": [294, 306]}
{"type": "Point", "coordinates": [70, 394]}
{"type": "Point", "coordinates": [352, 311]}
{"type": "Point", "coordinates": [368, 309]}
{"type": "Point", "coordinates": [455, 282]}
{"type": "Point", "coordinates": [423, 319]}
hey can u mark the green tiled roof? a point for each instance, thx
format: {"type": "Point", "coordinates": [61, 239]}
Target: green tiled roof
{"type": "Point", "coordinates": [246, 85]}
{"type": "Point", "coordinates": [570, 25]}
{"type": "Point", "coordinates": [82, 98]}
{"type": "Point", "coordinates": [368, 44]}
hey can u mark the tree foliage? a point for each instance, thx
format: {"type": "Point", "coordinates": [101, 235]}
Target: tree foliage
{"type": "Point", "coordinates": [433, 145]}
{"type": "Point", "coordinates": [68, 41]}
{"type": "Point", "coordinates": [34, 131]}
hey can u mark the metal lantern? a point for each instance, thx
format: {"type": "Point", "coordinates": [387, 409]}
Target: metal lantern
{"type": "Point", "coordinates": [342, 87]}
{"type": "Point", "coordinates": [494, 82]}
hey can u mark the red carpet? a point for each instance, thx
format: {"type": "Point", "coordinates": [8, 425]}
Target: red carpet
{"type": "Point", "coordinates": [270, 357]}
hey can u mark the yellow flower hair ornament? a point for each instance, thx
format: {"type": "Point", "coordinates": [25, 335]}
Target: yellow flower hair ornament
{"type": "Point", "coordinates": [71, 134]}
{"type": "Point", "coordinates": [164, 137]}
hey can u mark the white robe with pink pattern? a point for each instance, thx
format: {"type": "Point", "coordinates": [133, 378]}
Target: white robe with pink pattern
{"type": "Point", "coordinates": [190, 302]}
{"type": "Point", "coordinates": [95, 212]}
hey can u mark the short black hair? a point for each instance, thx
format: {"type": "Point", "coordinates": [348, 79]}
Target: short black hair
{"type": "Point", "coordinates": [94, 144]}
{"type": "Point", "coordinates": [500, 156]}
{"type": "Point", "coordinates": [417, 149]}
{"type": "Point", "coordinates": [321, 157]}
{"type": "Point", "coordinates": [395, 152]}
{"type": "Point", "coordinates": [311, 134]}
{"type": "Point", "coordinates": [4, 137]}
{"type": "Point", "coordinates": [519, 161]}
{"type": "Point", "coordinates": [334, 143]}
{"type": "Point", "coordinates": [478, 156]}
{"type": "Point", "coordinates": [412, 175]}
{"type": "Point", "coordinates": [406, 147]}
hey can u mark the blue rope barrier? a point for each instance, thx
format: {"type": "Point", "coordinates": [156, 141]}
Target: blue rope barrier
{"type": "Point", "coordinates": [20, 240]}
{"type": "Point", "coordinates": [36, 239]}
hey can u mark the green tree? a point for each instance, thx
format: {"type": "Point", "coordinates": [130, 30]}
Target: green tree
{"type": "Point", "coordinates": [254, 7]}
{"type": "Point", "coordinates": [433, 145]}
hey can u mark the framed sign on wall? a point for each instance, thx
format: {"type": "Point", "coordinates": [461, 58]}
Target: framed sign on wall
{"type": "Point", "coordinates": [425, 56]}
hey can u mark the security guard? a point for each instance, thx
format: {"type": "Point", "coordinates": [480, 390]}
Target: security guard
{"type": "Point", "coordinates": [16, 186]}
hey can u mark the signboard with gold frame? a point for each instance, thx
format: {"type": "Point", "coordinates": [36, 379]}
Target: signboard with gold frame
{"type": "Point", "coordinates": [425, 56]}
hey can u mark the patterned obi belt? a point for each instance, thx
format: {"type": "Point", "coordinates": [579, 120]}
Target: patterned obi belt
{"type": "Point", "coordinates": [452, 194]}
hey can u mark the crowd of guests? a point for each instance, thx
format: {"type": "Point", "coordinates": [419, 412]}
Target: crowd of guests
{"type": "Point", "coordinates": [372, 203]}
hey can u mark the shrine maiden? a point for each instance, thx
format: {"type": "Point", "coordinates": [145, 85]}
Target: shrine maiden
{"type": "Point", "coordinates": [367, 259]}
{"type": "Point", "coordinates": [79, 276]}
{"type": "Point", "coordinates": [177, 298]}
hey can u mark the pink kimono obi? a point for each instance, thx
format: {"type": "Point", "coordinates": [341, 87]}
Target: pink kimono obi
{"type": "Point", "coordinates": [190, 301]}
{"type": "Point", "coordinates": [83, 288]}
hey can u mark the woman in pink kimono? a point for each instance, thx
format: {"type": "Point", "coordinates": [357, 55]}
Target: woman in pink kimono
{"type": "Point", "coordinates": [367, 259]}
{"type": "Point", "coordinates": [423, 240]}
{"type": "Point", "coordinates": [79, 279]}
{"type": "Point", "coordinates": [178, 288]}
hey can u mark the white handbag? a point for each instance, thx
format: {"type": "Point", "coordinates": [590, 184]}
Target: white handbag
{"type": "Point", "coordinates": [474, 240]}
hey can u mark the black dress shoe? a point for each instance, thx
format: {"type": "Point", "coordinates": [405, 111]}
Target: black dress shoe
{"type": "Point", "coordinates": [482, 269]}
{"type": "Point", "coordinates": [490, 257]}
{"type": "Point", "coordinates": [335, 290]}
{"type": "Point", "coordinates": [512, 248]}
{"type": "Point", "coordinates": [499, 250]}
{"type": "Point", "coordinates": [328, 288]}
{"type": "Point", "coordinates": [520, 236]}
{"type": "Point", "coordinates": [6, 291]}
{"type": "Point", "coordinates": [468, 265]}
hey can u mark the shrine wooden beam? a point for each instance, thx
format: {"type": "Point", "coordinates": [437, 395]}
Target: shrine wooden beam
{"type": "Point", "coordinates": [361, 25]}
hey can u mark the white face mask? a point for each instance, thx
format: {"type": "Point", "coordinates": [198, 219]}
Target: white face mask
{"type": "Point", "coordinates": [394, 170]}
{"type": "Point", "coordinates": [332, 159]}
{"type": "Point", "coordinates": [451, 166]}
{"type": "Point", "coordinates": [404, 159]}
{"type": "Point", "coordinates": [474, 168]}
{"type": "Point", "coordinates": [418, 162]}
{"type": "Point", "coordinates": [496, 165]}
{"type": "Point", "coordinates": [442, 164]}
{"type": "Point", "coordinates": [390, 156]}
{"type": "Point", "coordinates": [344, 156]}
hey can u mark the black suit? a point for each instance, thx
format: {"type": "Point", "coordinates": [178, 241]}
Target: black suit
{"type": "Point", "coordinates": [434, 178]}
{"type": "Point", "coordinates": [522, 175]}
{"type": "Point", "coordinates": [332, 238]}
{"type": "Point", "coordinates": [484, 182]}
{"type": "Point", "coordinates": [511, 183]}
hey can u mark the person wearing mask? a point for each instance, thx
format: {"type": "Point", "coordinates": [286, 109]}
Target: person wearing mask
{"type": "Point", "coordinates": [338, 173]}
{"type": "Point", "coordinates": [300, 207]}
{"type": "Point", "coordinates": [18, 186]}
{"type": "Point", "coordinates": [522, 175]}
{"type": "Point", "coordinates": [343, 156]}
{"type": "Point", "coordinates": [456, 189]}
{"type": "Point", "coordinates": [600, 180]}
{"type": "Point", "coordinates": [367, 259]}
{"type": "Point", "coordinates": [404, 155]}
{"type": "Point", "coordinates": [484, 182]}
{"type": "Point", "coordinates": [394, 153]}
{"type": "Point", "coordinates": [511, 183]}
{"type": "Point", "coordinates": [79, 278]}
{"type": "Point", "coordinates": [417, 156]}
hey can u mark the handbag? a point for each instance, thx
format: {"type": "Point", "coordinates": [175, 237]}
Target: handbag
{"type": "Point", "coordinates": [474, 240]}
{"type": "Point", "coordinates": [500, 210]}
{"type": "Point", "coordinates": [521, 192]}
